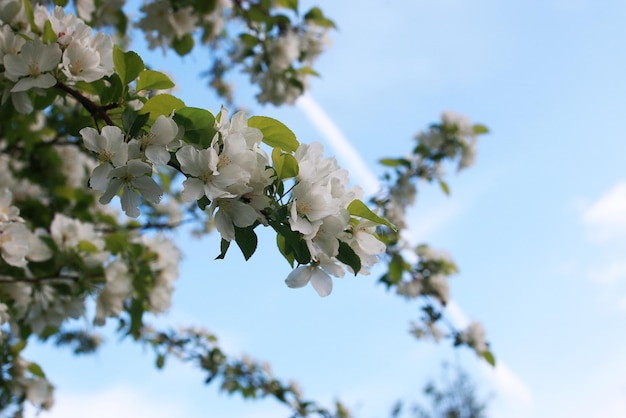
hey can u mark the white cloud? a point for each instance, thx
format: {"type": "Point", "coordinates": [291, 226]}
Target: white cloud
{"type": "Point", "coordinates": [118, 402]}
{"type": "Point", "coordinates": [606, 217]}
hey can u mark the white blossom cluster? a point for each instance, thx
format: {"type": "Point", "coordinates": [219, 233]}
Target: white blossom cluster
{"type": "Point", "coordinates": [126, 166]}
{"type": "Point", "coordinates": [461, 129]}
{"type": "Point", "coordinates": [432, 277]}
{"type": "Point", "coordinates": [283, 68]}
{"type": "Point", "coordinates": [163, 25]}
{"type": "Point", "coordinates": [30, 64]}
{"type": "Point", "coordinates": [474, 336]}
{"type": "Point", "coordinates": [318, 210]}
{"type": "Point", "coordinates": [232, 173]}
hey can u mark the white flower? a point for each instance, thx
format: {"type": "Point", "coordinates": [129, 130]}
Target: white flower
{"type": "Point", "coordinates": [320, 280]}
{"type": "Point", "coordinates": [9, 10]}
{"type": "Point", "coordinates": [283, 50]}
{"type": "Point", "coordinates": [164, 132]}
{"type": "Point", "coordinates": [82, 62]}
{"type": "Point", "coordinates": [117, 288]}
{"type": "Point", "coordinates": [30, 67]}
{"type": "Point", "coordinates": [132, 180]}
{"type": "Point", "coordinates": [111, 149]}
{"type": "Point", "coordinates": [204, 180]}
{"type": "Point", "coordinates": [8, 213]}
{"type": "Point", "coordinates": [317, 274]}
{"type": "Point", "coordinates": [69, 233]}
{"type": "Point", "coordinates": [14, 243]}
{"type": "Point", "coordinates": [231, 213]}
{"type": "Point", "coordinates": [309, 205]}
{"type": "Point", "coordinates": [474, 336]}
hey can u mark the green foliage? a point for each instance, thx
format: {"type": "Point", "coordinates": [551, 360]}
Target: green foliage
{"type": "Point", "coordinates": [275, 133]}
{"type": "Point", "coordinates": [153, 80]}
{"type": "Point", "coordinates": [162, 104]}
{"type": "Point", "coordinates": [198, 125]}
{"type": "Point", "coordinates": [128, 65]}
{"type": "Point", "coordinates": [360, 209]}
{"type": "Point", "coordinates": [286, 165]}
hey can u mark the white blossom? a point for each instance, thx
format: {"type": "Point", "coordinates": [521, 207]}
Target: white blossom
{"type": "Point", "coordinates": [31, 67]}
{"type": "Point", "coordinates": [132, 180]}
{"type": "Point", "coordinates": [117, 288]}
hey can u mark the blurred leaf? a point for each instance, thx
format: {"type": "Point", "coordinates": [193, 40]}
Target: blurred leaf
{"type": "Point", "coordinates": [183, 45]}
{"type": "Point", "coordinates": [444, 187]}
{"type": "Point", "coordinates": [488, 356]}
{"type": "Point", "coordinates": [289, 4]}
{"type": "Point", "coordinates": [36, 370]}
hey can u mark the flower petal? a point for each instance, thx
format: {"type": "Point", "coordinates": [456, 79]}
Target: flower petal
{"type": "Point", "coordinates": [299, 277]}
{"type": "Point", "coordinates": [321, 282]}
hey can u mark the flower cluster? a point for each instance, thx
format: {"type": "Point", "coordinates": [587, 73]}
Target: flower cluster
{"type": "Point", "coordinates": [59, 48]}
{"type": "Point", "coordinates": [282, 65]}
{"type": "Point", "coordinates": [319, 211]}
{"type": "Point", "coordinates": [430, 275]}
{"type": "Point", "coordinates": [165, 25]}
{"type": "Point", "coordinates": [127, 166]}
{"type": "Point", "coordinates": [17, 243]}
{"type": "Point", "coordinates": [232, 173]}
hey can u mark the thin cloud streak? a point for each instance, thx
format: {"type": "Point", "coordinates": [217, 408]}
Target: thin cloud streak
{"type": "Point", "coordinates": [340, 144]}
{"type": "Point", "coordinates": [502, 376]}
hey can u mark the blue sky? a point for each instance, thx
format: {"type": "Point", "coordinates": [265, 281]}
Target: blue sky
{"type": "Point", "coordinates": [537, 227]}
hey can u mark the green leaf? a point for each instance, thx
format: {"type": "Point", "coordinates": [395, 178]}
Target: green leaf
{"type": "Point", "coordinates": [286, 165]}
{"type": "Point", "coordinates": [223, 248]}
{"type": "Point", "coordinates": [395, 162]}
{"type": "Point", "coordinates": [360, 209]}
{"type": "Point", "coordinates": [198, 124]}
{"type": "Point", "coordinates": [488, 356]}
{"type": "Point", "coordinates": [281, 242]}
{"type": "Point", "coordinates": [249, 40]}
{"type": "Point", "coordinates": [48, 33]}
{"type": "Point", "coordinates": [247, 240]}
{"type": "Point", "coordinates": [36, 370]}
{"type": "Point", "coordinates": [289, 4]}
{"type": "Point", "coordinates": [444, 187]}
{"type": "Point", "coordinates": [480, 129]}
{"type": "Point", "coordinates": [316, 15]}
{"type": "Point", "coordinates": [348, 257]}
{"type": "Point", "coordinates": [203, 202]}
{"type": "Point", "coordinates": [183, 45]}
{"type": "Point", "coordinates": [112, 89]}
{"type": "Point", "coordinates": [153, 80]}
{"type": "Point", "coordinates": [275, 133]}
{"type": "Point", "coordinates": [136, 317]}
{"type": "Point", "coordinates": [127, 64]}
{"type": "Point", "coordinates": [162, 104]}
{"type": "Point", "coordinates": [396, 268]}
{"type": "Point", "coordinates": [132, 121]}
{"type": "Point", "coordinates": [160, 361]}
{"type": "Point", "coordinates": [28, 8]}
{"type": "Point", "coordinates": [308, 70]}
{"type": "Point", "coordinates": [88, 247]}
